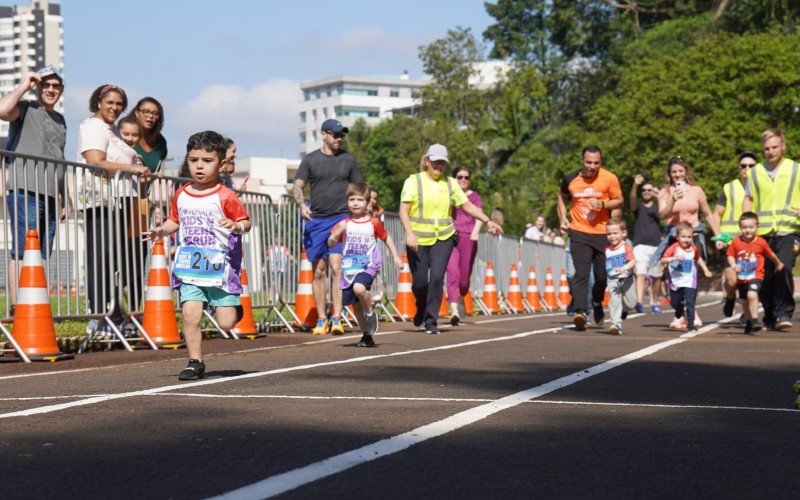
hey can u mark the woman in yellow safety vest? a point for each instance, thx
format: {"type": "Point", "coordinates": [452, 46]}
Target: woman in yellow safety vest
{"type": "Point", "coordinates": [425, 212]}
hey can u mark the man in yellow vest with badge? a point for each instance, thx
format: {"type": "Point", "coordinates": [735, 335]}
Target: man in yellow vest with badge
{"type": "Point", "coordinates": [773, 193]}
{"type": "Point", "coordinates": [727, 212]}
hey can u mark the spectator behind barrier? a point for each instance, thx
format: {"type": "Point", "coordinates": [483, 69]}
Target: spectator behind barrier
{"type": "Point", "coordinates": [537, 230]}
{"type": "Point", "coordinates": [152, 146]}
{"type": "Point", "coordinates": [100, 144]}
{"type": "Point", "coordinates": [35, 128]}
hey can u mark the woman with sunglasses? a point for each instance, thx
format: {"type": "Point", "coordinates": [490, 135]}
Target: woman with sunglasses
{"type": "Point", "coordinates": [682, 200]}
{"type": "Point", "coordinates": [426, 204]}
{"type": "Point", "coordinates": [152, 146]}
{"type": "Point", "coordinates": [459, 267]}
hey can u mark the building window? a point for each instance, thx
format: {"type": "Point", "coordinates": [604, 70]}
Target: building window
{"type": "Point", "coordinates": [325, 112]}
{"type": "Point", "coordinates": [394, 93]}
{"type": "Point", "coordinates": [355, 91]}
{"type": "Point", "coordinates": [302, 117]}
{"type": "Point", "coordinates": [314, 135]}
{"type": "Point", "coordinates": [302, 137]}
{"type": "Point", "coordinates": [357, 112]}
{"type": "Point", "coordinates": [314, 114]}
{"type": "Point", "coordinates": [307, 95]}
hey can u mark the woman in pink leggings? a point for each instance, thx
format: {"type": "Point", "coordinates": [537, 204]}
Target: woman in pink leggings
{"type": "Point", "coordinates": [459, 267]}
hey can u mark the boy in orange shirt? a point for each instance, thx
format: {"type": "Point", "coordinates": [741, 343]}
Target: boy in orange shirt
{"type": "Point", "coordinates": [746, 256]}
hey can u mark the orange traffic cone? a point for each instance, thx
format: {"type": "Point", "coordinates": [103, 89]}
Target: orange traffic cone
{"type": "Point", "coordinates": [159, 319]}
{"type": "Point", "coordinates": [305, 306]}
{"type": "Point", "coordinates": [490, 290]}
{"type": "Point", "coordinates": [549, 290]}
{"type": "Point", "coordinates": [532, 290]}
{"type": "Point", "coordinates": [469, 308]}
{"type": "Point", "coordinates": [405, 302]}
{"type": "Point", "coordinates": [563, 290]}
{"type": "Point", "coordinates": [34, 329]}
{"type": "Point", "coordinates": [444, 307]}
{"type": "Point", "coordinates": [247, 326]}
{"type": "Point", "coordinates": [514, 291]}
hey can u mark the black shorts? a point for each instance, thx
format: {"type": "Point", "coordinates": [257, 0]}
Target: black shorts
{"type": "Point", "coordinates": [750, 286]}
{"type": "Point", "coordinates": [348, 295]}
{"type": "Point", "coordinates": [723, 256]}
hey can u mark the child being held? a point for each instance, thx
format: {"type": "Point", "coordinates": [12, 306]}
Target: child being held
{"type": "Point", "coordinates": [361, 258]}
{"type": "Point", "coordinates": [619, 264]}
{"type": "Point", "coordinates": [208, 262]}
{"type": "Point", "coordinates": [682, 259]}
{"type": "Point", "coordinates": [746, 256]}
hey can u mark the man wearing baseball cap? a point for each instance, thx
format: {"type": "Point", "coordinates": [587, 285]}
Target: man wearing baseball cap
{"type": "Point", "coordinates": [329, 170]}
{"type": "Point", "coordinates": [36, 129]}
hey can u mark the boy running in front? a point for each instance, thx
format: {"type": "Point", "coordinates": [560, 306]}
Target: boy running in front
{"type": "Point", "coordinates": [208, 262]}
{"type": "Point", "coordinates": [619, 267]}
{"type": "Point", "coordinates": [680, 259]}
{"type": "Point", "coordinates": [361, 258]}
{"type": "Point", "coordinates": [746, 256]}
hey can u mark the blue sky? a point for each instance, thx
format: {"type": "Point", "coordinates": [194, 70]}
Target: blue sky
{"type": "Point", "coordinates": [234, 65]}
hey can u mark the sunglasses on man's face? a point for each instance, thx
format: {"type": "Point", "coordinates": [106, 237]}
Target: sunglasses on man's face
{"type": "Point", "coordinates": [746, 165]}
{"type": "Point", "coordinates": [462, 177]}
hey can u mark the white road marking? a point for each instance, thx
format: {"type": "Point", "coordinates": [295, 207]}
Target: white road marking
{"type": "Point", "coordinates": [155, 390]}
{"type": "Point", "coordinates": [287, 481]}
{"type": "Point", "coordinates": [44, 398]}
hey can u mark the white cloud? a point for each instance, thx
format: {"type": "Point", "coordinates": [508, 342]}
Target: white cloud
{"type": "Point", "coordinates": [367, 40]}
{"type": "Point", "coordinates": [262, 119]}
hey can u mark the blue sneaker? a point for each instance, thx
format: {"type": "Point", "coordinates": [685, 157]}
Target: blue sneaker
{"type": "Point", "coordinates": [639, 307]}
{"type": "Point", "coordinates": [656, 309]}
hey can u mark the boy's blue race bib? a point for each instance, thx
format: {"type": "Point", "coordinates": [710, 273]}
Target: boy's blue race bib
{"type": "Point", "coordinates": [199, 266]}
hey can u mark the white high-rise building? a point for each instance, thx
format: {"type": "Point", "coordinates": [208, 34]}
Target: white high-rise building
{"type": "Point", "coordinates": [30, 37]}
{"type": "Point", "coordinates": [348, 98]}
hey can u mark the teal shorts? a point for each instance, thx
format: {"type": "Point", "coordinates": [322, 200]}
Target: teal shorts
{"type": "Point", "coordinates": [211, 295]}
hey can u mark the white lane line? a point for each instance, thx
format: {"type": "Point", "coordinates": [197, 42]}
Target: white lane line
{"type": "Point", "coordinates": [155, 390]}
{"type": "Point", "coordinates": [472, 400]}
{"type": "Point", "coordinates": [44, 398]}
{"type": "Point", "coordinates": [287, 481]}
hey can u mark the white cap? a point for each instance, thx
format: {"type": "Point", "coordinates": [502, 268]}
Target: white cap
{"type": "Point", "coordinates": [437, 152]}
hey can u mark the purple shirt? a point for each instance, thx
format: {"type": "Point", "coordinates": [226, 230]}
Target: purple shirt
{"type": "Point", "coordinates": [464, 222]}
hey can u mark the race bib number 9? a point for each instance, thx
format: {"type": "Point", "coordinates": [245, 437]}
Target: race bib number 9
{"type": "Point", "coordinates": [199, 266]}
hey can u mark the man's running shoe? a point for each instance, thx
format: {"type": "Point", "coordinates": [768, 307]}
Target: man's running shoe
{"type": "Point", "coordinates": [321, 328]}
{"type": "Point", "coordinates": [615, 329]}
{"type": "Point", "coordinates": [371, 322]}
{"type": "Point", "coordinates": [579, 320]}
{"type": "Point", "coordinates": [783, 323]}
{"type": "Point", "coordinates": [337, 328]}
{"type": "Point", "coordinates": [598, 314]}
{"type": "Point", "coordinates": [432, 329]}
{"type": "Point", "coordinates": [727, 309]}
{"type": "Point", "coordinates": [639, 307]}
{"type": "Point", "coordinates": [195, 370]}
{"type": "Point", "coordinates": [655, 309]}
{"type": "Point", "coordinates": [366, 341]}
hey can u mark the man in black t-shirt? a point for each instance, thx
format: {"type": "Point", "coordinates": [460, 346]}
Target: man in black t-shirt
{"type": "Point", "coordinates": [329, 170]}
{"type": "Point", "coordinates": [646, 237]}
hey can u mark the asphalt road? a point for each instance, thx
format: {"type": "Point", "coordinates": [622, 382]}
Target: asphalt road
{"type": "Point", "coordinates": [501, 407]}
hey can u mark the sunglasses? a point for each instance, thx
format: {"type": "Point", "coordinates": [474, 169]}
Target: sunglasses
{"type": "Point", "coordinates": [746, 165]}
{"type": "Point", "coordinates": [462, 177]}
{"type": "Point", "coordinates": [54, 86]}
{"type": "Point", "coordinates": [338, 135]}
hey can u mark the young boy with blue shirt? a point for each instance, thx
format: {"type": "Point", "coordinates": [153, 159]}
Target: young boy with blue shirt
{"type": "Point", "coordinates": [207, 266]}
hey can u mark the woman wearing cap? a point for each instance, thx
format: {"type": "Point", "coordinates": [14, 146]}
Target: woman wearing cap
{"type": "Point", "coordinates": [425, 212]}
{"type": "Point", "coordinates": [459, 267]}
{"type": "Point", "coordinates": [152, 146]}
{"type": "Point", "coordinates": [99, 144]}
{"type": "Point", "coordinates": [682, 200]}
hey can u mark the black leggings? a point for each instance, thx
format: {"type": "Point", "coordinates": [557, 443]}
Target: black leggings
{"type": "Point", "coordinates": [683, 301]}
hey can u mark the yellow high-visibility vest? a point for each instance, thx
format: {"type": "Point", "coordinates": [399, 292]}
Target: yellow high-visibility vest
{"type": "Point", "coordinates": [734, 194]}
{"type": "Point", "coordinates": [776, 201]}
{"type": "Point", "coordinates": [428, 225]}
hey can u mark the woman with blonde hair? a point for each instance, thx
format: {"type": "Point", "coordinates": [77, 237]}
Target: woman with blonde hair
{"type": "Point", "coordinates": [425, 213]}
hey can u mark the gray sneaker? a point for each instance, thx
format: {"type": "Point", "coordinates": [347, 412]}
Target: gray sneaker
{"type": "Point", "coordinates": [371, 322]}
